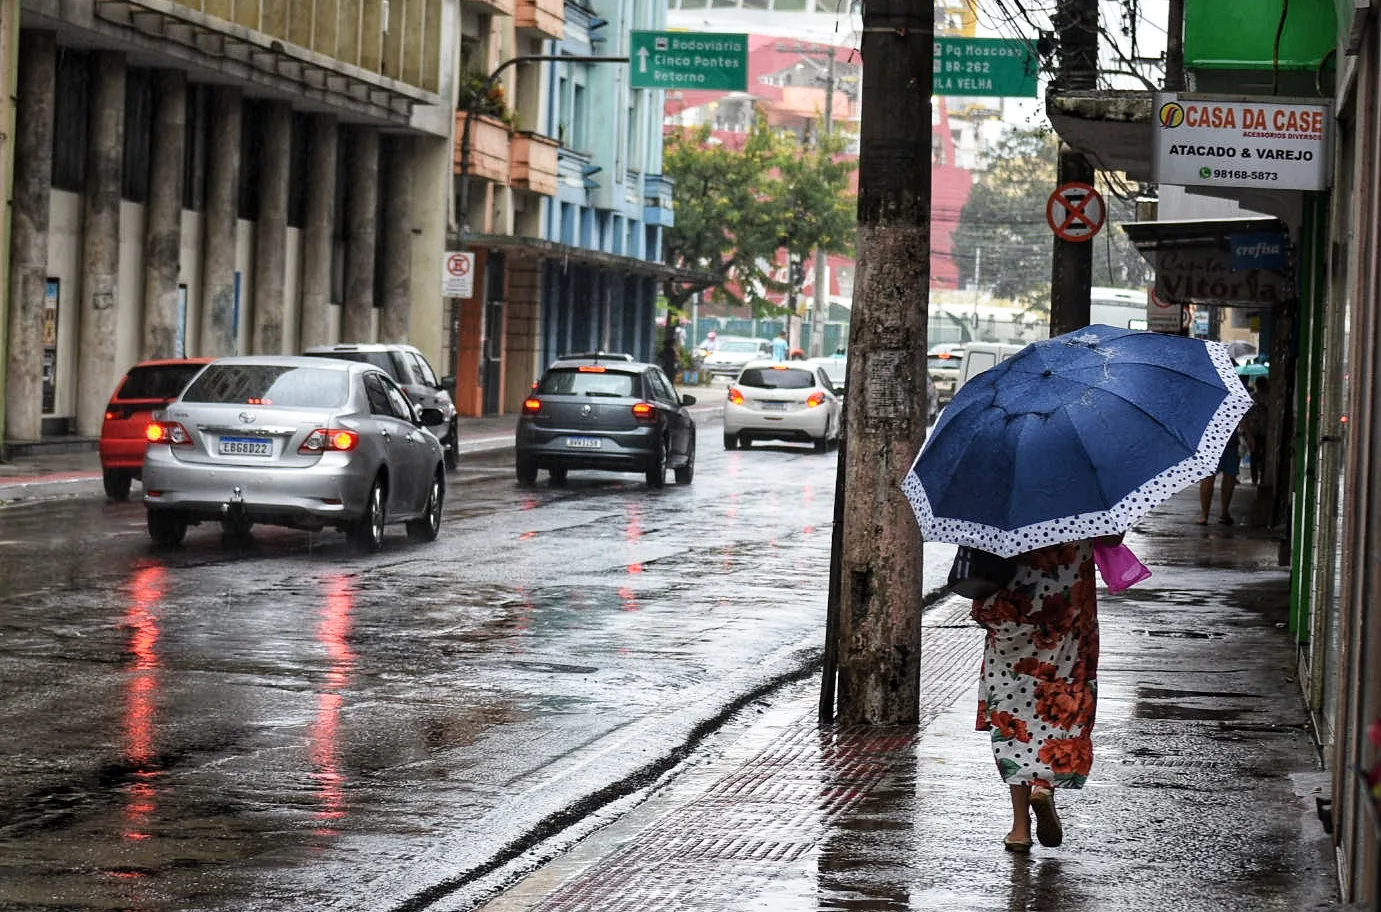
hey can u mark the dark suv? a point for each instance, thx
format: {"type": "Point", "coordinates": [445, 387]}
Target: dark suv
{"type": "Point", "coordinates": [410, 369]}
{"type": "Point", "coordinates": [609, 414]}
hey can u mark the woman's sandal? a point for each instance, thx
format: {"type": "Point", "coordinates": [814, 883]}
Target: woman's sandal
{"type": "Point", "coordinates": [1016, 845]}
{"type": "Point", "coordinates": [1048, 830]}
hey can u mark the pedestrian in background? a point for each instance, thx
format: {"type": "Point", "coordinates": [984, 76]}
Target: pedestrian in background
{"type": "Point", "coordinates": [1038, 682]}
{"type": "Point", "coordinates": [779, 347]}
{"type": "Point", "coordinates": [1229, 465]}
{"type": "Point", "coordinates": [668, 357]}
{"type": "Point", "coordinates": [1255, 428]}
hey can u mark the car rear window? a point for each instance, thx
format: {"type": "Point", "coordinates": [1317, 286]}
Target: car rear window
{"type": "Point", "coordinates": [157, 381]}
{"type": "Point", "coordinates": [270, 384]}
{"type": "Point", "coordinates": [776, 378]}
{"type": "Point", "coordinates": [379, 359]}
{"type": "Point", "coordinates": [575, 382]}
{"type": "Point", "coordinates": [951, 360]}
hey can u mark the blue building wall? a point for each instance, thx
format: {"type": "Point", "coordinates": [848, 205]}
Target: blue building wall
{"type": "Point", "coordinates": [612, 197]}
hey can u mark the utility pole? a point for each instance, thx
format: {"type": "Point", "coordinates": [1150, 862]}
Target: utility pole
{"type": "Point", "coordinates": [1071, 275]}
{"type": "Point", "coordinates": [877, 579]}
{"type": "Point", "coordinates": [820, 312]}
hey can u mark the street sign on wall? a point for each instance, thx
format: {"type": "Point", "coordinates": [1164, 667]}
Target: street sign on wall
{"type": "Point", "coordinates": [1209, 141]}
{"type": "Point", "coordinates": [688, 60]}
{"type": "Point", "coordinates": [996, 67]}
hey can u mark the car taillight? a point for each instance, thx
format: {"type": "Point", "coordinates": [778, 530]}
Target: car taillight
{"type": "Point", "coordinates": [532, 406]}
{"type": "Point", "coordinates": [645, 411]}
{"type": "Point", "coordinates": [169, 432]}
{"type": "Point", "coordinates": [323, 440]}
{"type": "Point", "coordinates": [815, 399]}
{"type": "Point", "coordinates": [735, 396]}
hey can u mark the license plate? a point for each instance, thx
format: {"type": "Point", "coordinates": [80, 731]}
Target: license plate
{"type": "Point", "coordinates": [774, 406]}
{"type": "Point", "coordinates": [584, 443]}
{"type": "Point", "coordinates": [246, 446]}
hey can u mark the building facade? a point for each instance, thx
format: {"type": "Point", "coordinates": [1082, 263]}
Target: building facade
{"type": "Point", "coordinates": [207, 177]}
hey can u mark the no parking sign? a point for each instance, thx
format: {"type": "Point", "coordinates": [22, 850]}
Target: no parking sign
{"type": "Point", "coordinates": [1075, 211]}
{"type": "Point", "coordinates": [458, 278]}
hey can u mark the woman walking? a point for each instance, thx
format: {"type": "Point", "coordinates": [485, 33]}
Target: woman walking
{"type": "Point", "coordinates": [1038, 682]}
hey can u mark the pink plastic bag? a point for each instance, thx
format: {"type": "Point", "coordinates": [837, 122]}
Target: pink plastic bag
{"type": "Point", "coordinates": [1119, 567]}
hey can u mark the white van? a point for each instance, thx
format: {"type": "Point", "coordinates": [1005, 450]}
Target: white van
{"type": "Point", "coordinates": [979, 356]}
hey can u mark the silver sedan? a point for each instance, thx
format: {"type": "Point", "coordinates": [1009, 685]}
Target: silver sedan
{"type": "Point", "coordinates": [308, 443]}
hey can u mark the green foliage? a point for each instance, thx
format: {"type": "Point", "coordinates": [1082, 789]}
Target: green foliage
{"type": "Point", "coordinates": [476, 95]}
{"type": "Point", "coordinates": [738, 208]}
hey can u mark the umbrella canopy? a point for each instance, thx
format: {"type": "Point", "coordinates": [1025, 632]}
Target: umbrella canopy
{"type": "Point", "coordinates": [1073, 437]}
{"type": "Point", "coordinates": [1252, 370]}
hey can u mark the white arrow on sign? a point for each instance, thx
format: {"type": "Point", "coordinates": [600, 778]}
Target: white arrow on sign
{"type": "Point", "coordinates": [643, 54]}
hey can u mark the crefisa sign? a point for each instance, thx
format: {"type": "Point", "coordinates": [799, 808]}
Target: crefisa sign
{"type": "Point", "coordinates": [1210, 141]}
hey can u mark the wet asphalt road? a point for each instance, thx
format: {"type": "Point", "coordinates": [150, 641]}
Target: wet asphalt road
{"type": "Point", "coordinates": [291, 725]}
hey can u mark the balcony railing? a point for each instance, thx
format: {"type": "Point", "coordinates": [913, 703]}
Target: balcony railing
{"type": "Point", "coordinates": [490, 142]}
{"type": "Point", "coordinates": [535, 164]}
{"type": "Point", "coordinates": [546, 18]}
{"type": "Point", "coordinates": [499, 7]}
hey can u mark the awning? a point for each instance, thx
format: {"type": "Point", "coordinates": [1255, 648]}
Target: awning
{"type": "Point", "coordinates": [1232, 262]}
{"type": "Point", "coordinates": [552, 250]}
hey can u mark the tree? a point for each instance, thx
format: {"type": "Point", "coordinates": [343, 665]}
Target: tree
{"type": "Point", "coordinates": [737, 209]}
{"type": "Point", "coordinates": [1003, 241]}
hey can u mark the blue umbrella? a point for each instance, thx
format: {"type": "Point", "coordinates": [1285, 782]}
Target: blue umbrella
{"type": "Point", "coordinates": [1075, 436]}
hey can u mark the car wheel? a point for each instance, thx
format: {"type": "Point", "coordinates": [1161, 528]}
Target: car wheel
{"type": "Point", "coordinates": [558, 477]}
{"type": "Point", "coordinates": [685, 473]}
{"type": "Point", "coordinates": [166, 528]}
{"type": "Point", "coordinates": [453, 447]}
{"type": "Point", "coordinates": [427, 526]}
{"type": "Point", "coordinates": [116, 484]}
{"type": "Point", "coordinates": [368, 531]}
{"type": "Point", "coordinates": [730, 441]}
{"type": "Point", "coordinates": [526, 470]}
{"type": "Point", "coordinates": [821, 443]}
{"type": "Point", "coordinates": [745, 441]}
{"type": "Point", "coordinates": [657, 470]}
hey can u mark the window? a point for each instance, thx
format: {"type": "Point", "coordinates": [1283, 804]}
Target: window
{"type": "Point", "coordinates": [570, 382]}
{"type": "Point", "coordinates": [377, 395]}
{"type": "Point", "coordinates": [775, 378]}
{"type": "Point", "coordinates": [269, 385]}
{"type": "Point", "coordinates": [157, 382]}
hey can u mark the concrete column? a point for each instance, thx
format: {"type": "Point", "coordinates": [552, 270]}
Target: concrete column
{"type": "Point", "coordinates": [361, 216]}
{"type": "Point", "coordinates": [163, 225]}
{"type": "Point", "coordinates": [396, 258]}
{"type": "Point", "coordinates": [433, 175]}
{"type": "Point", "coordinates": [318, 235]}
{"type": "Point", "coordinates": [271, 232]}
{"type": "Point", "coordinates": [105, 156]}
{"type": "Point", "coordinates": [218, 233]}
{"type": "Point", "coordinates": [33, 183]}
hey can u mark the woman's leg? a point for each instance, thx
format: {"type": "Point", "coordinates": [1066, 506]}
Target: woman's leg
{"type": "Point", "coordinates": [1021, 814]}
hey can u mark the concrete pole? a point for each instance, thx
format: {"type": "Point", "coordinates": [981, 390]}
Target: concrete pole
{"type": "Point", "coordinates": [361, 215]}
{"type": "Point", "coordinates": [218, 231]}
{"type": "Point", "coordinates": [33, 184]}
{"type": "Point", "coordinates": [9, 81]}
{"type": "Point", "coordinates": [318, 234]}
{"type": "Point", "coordinates": [396, 259]}
{"type": "Point", "coordinates": [271, 230]}
{"type": "Point", "coordinates": [878, 577]}
{"type": "Point", "coordinates": [105, 153]}
{"type": "Point", "coordinates": [1071, 273]}
{"type": "Point", "coordinates": [163, 230]}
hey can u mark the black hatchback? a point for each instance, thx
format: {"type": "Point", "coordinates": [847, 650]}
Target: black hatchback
{"type": "Point", "coordinates": [606, 414]}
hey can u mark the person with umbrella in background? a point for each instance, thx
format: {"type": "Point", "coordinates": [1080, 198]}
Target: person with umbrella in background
{"type": "Point", "coordinates": [1046, 460]}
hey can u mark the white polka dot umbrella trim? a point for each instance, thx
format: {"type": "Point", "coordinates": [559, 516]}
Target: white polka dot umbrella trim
{"type": "Point", "coordinates": [1122, 515]}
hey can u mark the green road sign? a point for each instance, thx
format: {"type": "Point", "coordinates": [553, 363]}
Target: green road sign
{"type": "Point", "coordinates": [689, 60]}
{"type": "Point", "coordinates": [996, 67]}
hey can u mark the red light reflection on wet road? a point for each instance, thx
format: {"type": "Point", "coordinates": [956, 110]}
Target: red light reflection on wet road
{"type": "Point", "coordinates": [141, 697]}
{"type": "Point", "coordinates": [333, 632]}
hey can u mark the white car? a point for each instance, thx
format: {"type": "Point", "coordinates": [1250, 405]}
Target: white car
{"type": "Point", "coordinates": [733, 352]}
{"type": "Point", "coordinates": [791, 400]}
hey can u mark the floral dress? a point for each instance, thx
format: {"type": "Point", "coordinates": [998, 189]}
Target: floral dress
{"type": "Point", "coordinates": [1038, 683]}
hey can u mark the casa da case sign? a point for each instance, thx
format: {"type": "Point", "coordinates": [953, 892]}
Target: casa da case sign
{"type": "Point", "coordinates": [1209, 141]}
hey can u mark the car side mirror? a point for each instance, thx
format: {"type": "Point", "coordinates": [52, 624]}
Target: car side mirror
{"type": "Point", "coordinates": [688, 399]}
{"type": "Point", "coordinates": [430, 416]}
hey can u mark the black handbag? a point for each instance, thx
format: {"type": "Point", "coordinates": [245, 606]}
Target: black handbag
{"type": "Point", "coordinates": [978, 574]}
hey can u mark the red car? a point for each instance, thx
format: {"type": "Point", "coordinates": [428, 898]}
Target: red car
{"type": "Point", "coordinates": [148, 386]}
